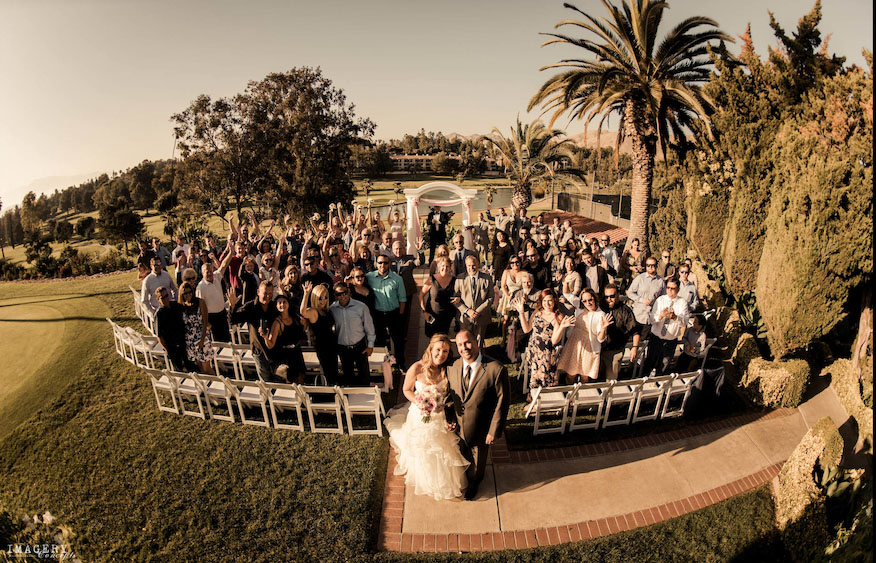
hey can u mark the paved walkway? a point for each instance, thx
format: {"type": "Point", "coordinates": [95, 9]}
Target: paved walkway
{"type": "Point", "coordinates": [550, 496]}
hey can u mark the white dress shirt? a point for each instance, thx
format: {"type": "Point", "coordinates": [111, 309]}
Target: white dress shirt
{"type": "Point", "coordinates": [475, 366]}
{"type": "Point", "coordinates": [669, 329]}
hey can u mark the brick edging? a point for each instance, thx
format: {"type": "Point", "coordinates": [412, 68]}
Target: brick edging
{"type": "Point", "coordinates": [500, 453]}
{"type": "Point", "coordinates": [392, 539]}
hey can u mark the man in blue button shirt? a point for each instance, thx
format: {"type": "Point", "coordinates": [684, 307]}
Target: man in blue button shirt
{"type": "Point", "coordinates": [389, 303]}
{"type": "Point", "coordinates": [355, 331]}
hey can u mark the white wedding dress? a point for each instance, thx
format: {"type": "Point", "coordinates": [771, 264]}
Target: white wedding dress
{"type": "Point", "coordinates": [427, 452]}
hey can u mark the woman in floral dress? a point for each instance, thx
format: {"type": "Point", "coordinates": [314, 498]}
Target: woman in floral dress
{"type": "Point", "coordinates": [547, 326]}
{"type": "Point", "coordinates": [199, 347]}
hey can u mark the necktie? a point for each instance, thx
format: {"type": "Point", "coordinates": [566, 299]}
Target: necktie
{"type": "Point", "coordinates": [473, 289]}
{"type": "Point", "coordinates": [466, 380]}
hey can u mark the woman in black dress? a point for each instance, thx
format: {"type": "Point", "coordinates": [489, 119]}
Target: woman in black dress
{"type": "Point", "coordinates": [359, 289]}
{"type": "Point", "coordinates": [249, 279]}
{"type": "Point", "coordinates": [284, 343]}
{"type": "Point", "coordinates": [502, 252]}
{"type": "Point", "coordinates": [435, 298]}
{"type": "Point", "coordinates": [315, 309]}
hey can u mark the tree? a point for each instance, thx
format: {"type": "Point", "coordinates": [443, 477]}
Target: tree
{"type": "Point", "coordinates": [818, 245]}
{"type": "Point", "coordinates": [85, 227]}
{"type": "Point", "coordinates": [63, 231]}
{"type": "Point", "coordinates": [532, 153]}
{"type": "Point", "coordinates": [119, 223]}
{"type": "Point", "coordinates": [654, 87]}
{"type": "Point", "coordinates": [303, 129]}
{"type": "Point", "coordinates": [142, 190]}
{"type": "Point", "coordinates": [443, 164]}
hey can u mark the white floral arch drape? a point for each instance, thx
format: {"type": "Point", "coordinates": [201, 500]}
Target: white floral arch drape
{"type": "Point", "coordinates": [416, 196]}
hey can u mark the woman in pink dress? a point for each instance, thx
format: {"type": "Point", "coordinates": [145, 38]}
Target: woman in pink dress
{"type": "Point", "coordinates": [581, 353]}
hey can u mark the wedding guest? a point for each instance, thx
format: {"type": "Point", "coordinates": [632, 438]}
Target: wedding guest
{"type": "Point", "coordinates": [315, 276]}
{"type": "Point", "coordinates": [509, 284]}
{"type": "Point", "coordinates": [268, 272]}
{"type": "Point", "coordinates": [541, 273]}
{"type": "Point", "coordinates": [158, 278]}
{"type": "Point", "coordinates": [437, 221]}
{"type": "Point", "coordinates": [360, 291]}
{"type": "Point", "coordinates": [632, 262]}
{"type": "Point", "coordinates": [199, 347]}
{"type": "Point", "coordinates": [647, 287]}
{"type": "Point", "coordinates": [144, 260]}
{"type": "Point", "coordinates": [581, 353]}
{"type": "Point", "coordinates": [480, 234]}
{"type": "Point", "coordinates": [668, 317]}
{"type": "Point", "coordinates": [475, 293]}
{"type": "Point", "coordinates": [436, 299]}
{"type": "Point", "coordinates": [622, 330]}
{"type": "Point", "coordinates": [459, 254]}
{"type": "Point", "coordinates": [609, 254]}
{"type": "Point", "coordinates": [259, 316]}
{"type": "Point", "coordinates": [687, 290]}
{"type": "Point", "coordinates": [161, 252]}
{"type": "Point", "coordinates": [503, 222]}
{"type": "Point", "coordinates": [390, 300]}
{"type": "Point", "coordinates": [547, 326]}
{"type": "Point", "coordinates": [283, 343]}
{"type": "Point", "coordinates": [249, 279]}
{"type": "Point", "coordinates": [502, 251]}
{"type": "Point", "coordinates": [355, 334]}
{"type": "Point", "coordinates": [665, 268]}
{"type": "Point", "coordinates": [210, 291]}
{"type": "Point", "coordinates": [693, 344]}
{"type": "Point", "coordinates": [290, 286]}
{"type": "Point", "coordinates": [440, 251]}
{"type": "Point", "coordinates": [170, 329]}
{"type": "Point", "coordinates": [570, 284]}
{"type": "Point", "coordinates": [593, 275]}
{"type": "Point", "coordinates": [315, 310]}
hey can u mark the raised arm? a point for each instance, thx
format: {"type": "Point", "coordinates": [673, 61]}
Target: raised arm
{"type": "Point", "coordinates": [306, 310]}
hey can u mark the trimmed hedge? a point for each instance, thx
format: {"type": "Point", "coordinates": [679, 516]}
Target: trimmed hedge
{"type": "Point", "coordinates": [819, 233]}
{"type": "Point", "coordinates": [779, 383]}
{"type": "Point", "coordinates": [800, 503]}
{"type": "Point", "coordinates": [848, 390]}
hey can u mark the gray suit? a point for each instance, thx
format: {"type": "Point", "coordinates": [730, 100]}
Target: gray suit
{"type": "Point", "coordinates": [480, 300]}
{"type": "Point", "coordinates": [457, 259]}
{"type": "Point", "coordinates": [479, 412]}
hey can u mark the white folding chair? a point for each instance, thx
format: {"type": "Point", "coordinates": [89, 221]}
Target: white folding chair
{"type": "Point", "coordinates": [154, 354]}
{"type": "Point", "coordinates": [162, 381]}
{"type": "Point", "coordinates": [240, 334]}
{"type": "Point", "coordinates": [312, 366]}
{"type": "Point", "coordinates": [653, 389]}
{"type": "Point", "coordinates": [679, 386]}
{"type": "Point", "coordinates": [551, 399]}
{"type": "Point", "coordinates": [362, 401]}
{"type": "Point", "coordinates": [621, 393]}
{"type": "Point", "coordinates": [250, 394]}
{"type": "Point", "coordinates": [118, 340]}
{"type": "Point", "coordinates": [187, 386]}
{"type": "Point", "coordinates": [138, 303]}
{"type": "Point", "coordinates": [215, 390]}
{"type": "Point", "coordinates": [130, 340]}
{"type": "Point", "coordinates": [226, 359]}
{"type": "Point", "coordinates": [328, 401]}
{"type": "Point", "coordinates": [589, 396]}
{"type": "Point", "coordinates": [285, 397]}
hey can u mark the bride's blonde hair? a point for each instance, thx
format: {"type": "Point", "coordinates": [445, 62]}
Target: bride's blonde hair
{"type": "Point", "coordinates": [426, 361]}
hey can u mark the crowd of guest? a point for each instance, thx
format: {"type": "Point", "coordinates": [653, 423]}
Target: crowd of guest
{"type": "Point", "coordinates": [566, 305]}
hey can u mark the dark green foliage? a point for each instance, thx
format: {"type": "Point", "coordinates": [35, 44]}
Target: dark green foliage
{"type": "Point", "coordinates": [442, 164]}
{"type": "Point", "coordinates": [819, 232]}
{"type": "Point", "coordinates": [63, 231]}
{"type": "Point", "coordinates": [668, 224]}
{"type": "Point", "coordinates": [119, 223]}
{"type": "Point", "coordinates": [85, 227]}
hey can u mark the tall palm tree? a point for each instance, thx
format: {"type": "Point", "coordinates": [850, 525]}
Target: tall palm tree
{"type": "Point", "coordinates": [655, 88]}
{"type": "Point", "coordinates": [531, 154]}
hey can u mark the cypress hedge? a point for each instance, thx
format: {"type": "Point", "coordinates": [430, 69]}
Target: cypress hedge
{"type": "Point", "coordinates": [819, 232]}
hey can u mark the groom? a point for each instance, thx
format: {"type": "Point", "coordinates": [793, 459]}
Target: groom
{"type": "Point", "coordinates": [477, 405]}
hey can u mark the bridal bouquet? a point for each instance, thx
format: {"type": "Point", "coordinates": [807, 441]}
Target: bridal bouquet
{"type": "Point", "coordinates": [428, 401]}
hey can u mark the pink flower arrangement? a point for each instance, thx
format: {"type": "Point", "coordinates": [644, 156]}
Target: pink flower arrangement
{"type": "Point", "coordinates": [428, 401]}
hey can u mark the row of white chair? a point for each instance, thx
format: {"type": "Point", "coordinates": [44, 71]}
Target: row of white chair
{"type": "Point", "coordinates": [566, 400]}
{"type": "Point", "coordinates": [277, 398]}
{"type": "Point", "coordinates": [146, 352]}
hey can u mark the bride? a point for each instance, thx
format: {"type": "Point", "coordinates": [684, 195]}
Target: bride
{"type": "Point", "coordinates": [427, 451]}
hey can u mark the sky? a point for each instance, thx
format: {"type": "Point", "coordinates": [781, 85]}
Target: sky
{"type": "Point", "coordinates": [89, 85]}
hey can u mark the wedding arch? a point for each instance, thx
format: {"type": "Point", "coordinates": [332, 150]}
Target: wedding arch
{"type": "Point", "coordinates": [416, 196]}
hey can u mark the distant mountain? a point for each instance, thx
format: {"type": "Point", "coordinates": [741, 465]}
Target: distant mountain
{"type": "Point", "coordinates": [606, 140]}
{"type": "Point", "coordinates": [46, 185]}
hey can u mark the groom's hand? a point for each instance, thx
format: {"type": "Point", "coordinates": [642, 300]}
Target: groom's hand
{"type": "Point", "coordinates": [451, 426]}
{"type": "Point", "coordinates": [489, 441]}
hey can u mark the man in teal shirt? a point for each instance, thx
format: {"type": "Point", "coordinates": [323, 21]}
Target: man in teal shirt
{"type": "Point", "coordinates": [389, 302]}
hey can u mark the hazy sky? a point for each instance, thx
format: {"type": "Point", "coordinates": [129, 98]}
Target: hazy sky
{"type": "Point", "coordinates": [89, 86]}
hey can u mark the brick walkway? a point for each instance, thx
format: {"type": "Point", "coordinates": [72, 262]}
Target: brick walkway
{"type": "Point", "coordinates": [549, 496]}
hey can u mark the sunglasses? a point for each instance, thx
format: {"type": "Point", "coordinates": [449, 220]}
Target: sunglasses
{"type": "Point", "coordinates": [612, 296]}
{"type": "Point", "coordinates": [382, 262]}
{"type": "Point", "coordinates": [358, 277]}
{"type": "Point", "coordinates": [587, 301]}
{"type": "Point", "coordinates": [683, 272]}
{"type": "Point", "coordinates": [675, 287]}
{"type": "Point", "coordinates": [308, 263]}
{"type": "Point", "coordinates": [514, 262]}
{"type": "Point", "coordinates": [650, 265]}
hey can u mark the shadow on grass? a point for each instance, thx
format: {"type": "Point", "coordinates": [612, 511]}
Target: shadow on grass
{"type": "Point", "coordinates": [61, 297]}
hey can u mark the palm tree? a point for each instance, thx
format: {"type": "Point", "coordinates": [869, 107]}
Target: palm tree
{"type": "Point", "coordinates": [532, 153]}
{"type": "Point", "coordinates": [655, 88]}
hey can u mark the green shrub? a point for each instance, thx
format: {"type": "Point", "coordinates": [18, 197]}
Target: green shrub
{"type": "Point", "coordinates": [779, 383]}
{"type": "Point", "coordinates": [800, 502]}
{"type": "Point", "coordinates": [848, 389]}
{"type": "Point", "coordinates": [706, 217]}
{"type": "Point", "coordinates": [819, 232]}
